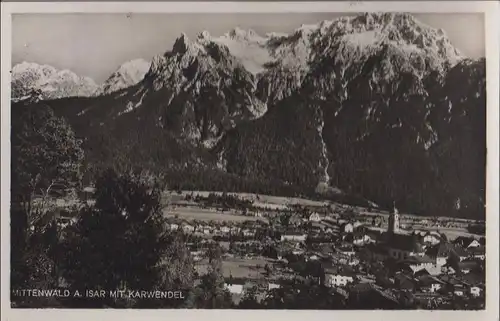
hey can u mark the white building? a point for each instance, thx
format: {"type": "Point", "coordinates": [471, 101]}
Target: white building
{"type": "Point", "coordinates": [273, 286]}
{"type": "Point", "coordinates": [234, 288]}
{"type": "Point", "coordinates": [474, 243]}
{"type": "Point", "coordinates": [187, 228]}
{"type": "Point", "coordinates": [294, 237]}
{"type": "Point", "coordinates": [314, 217]}
{"type": "Point", "coordinates": [347, 228]}
{"type": "Point", "coordinates": [432, 239]}
{"type": "Point", "coordinates": [338, 279]}
{"type": "Point", "coordinates": [248, 233]}
{"type": "Point", "coordinates": [418, 263]}
{"type": "Point", "coordinates": [475, 291]}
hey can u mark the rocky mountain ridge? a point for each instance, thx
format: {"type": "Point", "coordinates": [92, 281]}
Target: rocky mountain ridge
{"type": "Point", "coordinates": [377, 105]}
{"type": "Point", "coordinates": [52, 83]}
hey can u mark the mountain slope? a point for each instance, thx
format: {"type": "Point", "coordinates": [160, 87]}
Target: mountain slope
{"type": "Point", "coordinates": [377, 105]}
{"type": "Point", "coordinates": [50, 82]}
{"type": "Point", "coordinates": [127, 75]}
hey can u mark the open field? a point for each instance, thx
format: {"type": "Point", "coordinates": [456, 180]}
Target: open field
{"type": "Point", "coordinates": [259, 200]}
{"type": "Point", "coordinates": [238, 268]}
{"type": "Point", "coordinates": [202, 214]}
{"type": "Point", "coordinates": [451, 233]}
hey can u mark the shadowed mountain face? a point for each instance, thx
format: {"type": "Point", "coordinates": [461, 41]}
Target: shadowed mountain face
{"type": "Point", "coordinates": [377, 105]}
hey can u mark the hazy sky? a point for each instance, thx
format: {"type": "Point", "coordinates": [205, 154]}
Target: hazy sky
{"type": "Point", "coordinates": [95, 45]}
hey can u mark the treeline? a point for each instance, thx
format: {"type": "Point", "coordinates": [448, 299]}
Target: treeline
{"type": "Point", "coordinates": [226, 201]}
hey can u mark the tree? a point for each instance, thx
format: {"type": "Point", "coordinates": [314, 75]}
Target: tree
{"type": "Point", "coordinates": [249, 300]}
{"type": "Point", "coordinates": [211, 292]}
{"type": "Point", "coordinates": [46, 161]}
{"type": "Point", "coordinates": [46, 156]}
{"type": "Point", "coordinates": [122, 243]}
{"type": "Point", "coordinates": [285, 219]}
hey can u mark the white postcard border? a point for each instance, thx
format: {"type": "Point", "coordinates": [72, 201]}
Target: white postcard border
{"type": "Point", "coordinates": [491, 10]}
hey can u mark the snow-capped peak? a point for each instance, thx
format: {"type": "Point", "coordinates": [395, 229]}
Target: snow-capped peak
{"type": "Point", "coordinates": [128, 74]}
{"type": "Point", "coordinates": [50, 82]}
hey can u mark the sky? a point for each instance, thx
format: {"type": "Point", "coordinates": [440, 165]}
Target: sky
{"type": "Point", "coordinates": [95, 45]}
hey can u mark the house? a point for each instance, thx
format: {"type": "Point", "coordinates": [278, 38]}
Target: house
{"type": "Point", "coordinates": [417, 263]}
{"type": "Point", "coordinates": [475, 291]}
{"type": "Point", "coordinates": [315, 227]}
{"type": "Point", "coordinates": [87, 193]}
{"type": "Point", "coordinates": [454, 285]}
{"type": "Point", "coordinates": [187, 228]}
{"type": "Point", "coordinates": [432, 238]}
{"type": "Point", "coordinates": [463, 241]}
{"type": "Point", "coordinates": [404, 282]}
{"type": "Point", "coordinates": [272, 286]}
{"type": "Point", "coordinates": [356, 224]}
{"type": "Point", "coordinates": [234, 288]}
{"type": "Point", "coordinates": [174, 226]}
{"type": "Point", "coordinates": [468, 266]}
{"type": "Point", "coordinates": [294, 237]}
{"type": "Point", "coordinates": [360, 238]}
{"type": "Point", "coordinates": [402, 246]}
{"type": "Point", "coordinates": [197, 255]}
{"type": "Point", "coordinates": [429, 283]}
{"type": "Point", "coordinates": [295, 220]}
{"type": "Point", "coordinates": [314, 217]}
{"type": "Point", "coordinates": [313, 257]}
{"type": "Point", "coordinates": [477, 252]}
{"type": "Point", "coordinates": [248, 233]}
{"type": "Point", "coordinates": [329, 230]}
{"type": "Point", "coordinates": [474, 278]}
{"type": "Point", "coordinates": [473, 244]}
{"type": "Point", "coordinates": [346, 250]}
{"type": "Point", "coordinates": [298, 252]}
{"type": "Point", "coordinates": [442, 251]}
{"type": "Point", "coordinates": [257, 214]}
{"type": "Point", "coordinates": [353, 261]}
{"type": "Point", "coordinates": [338, 276]}
{"type": "Point", "coordinates": [346, 228]}
{"type": "Point", "coordinates": [225, 229]}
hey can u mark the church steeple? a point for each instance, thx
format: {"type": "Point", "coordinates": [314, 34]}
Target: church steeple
{"type": "Point", "coordinates": [393, 220]}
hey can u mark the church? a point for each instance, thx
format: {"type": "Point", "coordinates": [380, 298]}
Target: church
{"type": "Point", "coordinates": [399, 244]}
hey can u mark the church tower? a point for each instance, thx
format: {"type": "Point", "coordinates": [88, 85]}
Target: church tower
{"type": "Point", "coordinates": [393, 220]}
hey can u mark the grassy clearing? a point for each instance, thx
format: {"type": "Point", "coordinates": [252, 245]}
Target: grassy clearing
{"type": "Point", "coordinates": [197, 213]}
{"type": "Point", "coordinates": [238, 268]}
{"type": "Point", "coordinates": [259, 200]}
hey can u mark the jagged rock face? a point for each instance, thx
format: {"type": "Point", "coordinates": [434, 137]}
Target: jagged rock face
{"type": "Point", "coordinates": [383, 83]}
{"type": "Point", "coordinates": [50, 82]}
{"type": "Point", "coordinates": [127, 75]}
{"type": "Point", "coordinates": [205, 90]}
{"type": "Point", "coordinates": [347, 46]}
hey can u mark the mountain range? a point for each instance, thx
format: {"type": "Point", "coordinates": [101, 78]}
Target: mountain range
{"type": "Point", "coordinates": [50, 83]}
{"type": "Point", "coordinates": [377, 106]}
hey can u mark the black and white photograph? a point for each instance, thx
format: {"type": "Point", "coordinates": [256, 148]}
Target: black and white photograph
{"type": "Point", "coordinates": [248, 160]}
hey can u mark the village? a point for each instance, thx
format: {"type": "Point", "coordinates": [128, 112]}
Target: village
{"type": "Point", "coordinates": [383, 255]}
{"type": "Point", "coordinates": [388, 256]}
